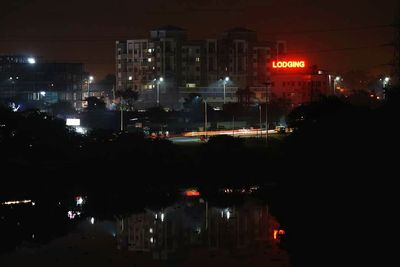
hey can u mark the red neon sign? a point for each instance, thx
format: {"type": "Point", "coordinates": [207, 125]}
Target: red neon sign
{"type": "Point", "coordinates": [192, 193]}
{"type": "Point", "coordinates": [301, 64]}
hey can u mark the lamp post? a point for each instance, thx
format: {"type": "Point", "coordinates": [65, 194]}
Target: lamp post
{"type": "Point", "coordinates": [226, 80]}
{"type": "Point", "coordinates": [385, 82]}
{"type": "Point", "coordinates": [259, 109]}
{"type": "Point", "coordinates": [90, 80]}
{"type": "Point", "coordinates": [335, 83]}
{"type": "Point", "coordinates": [160, 80]}
{"type": "Point", "coordinates": [205, 117]}
{"type": "Point", "coordinates": [122, 114]}
{"type": "Point", "coordinates": [266, 112]}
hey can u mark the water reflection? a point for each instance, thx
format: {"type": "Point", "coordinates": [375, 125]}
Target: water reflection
{"type": "Point", "coordinates": [194, 227]}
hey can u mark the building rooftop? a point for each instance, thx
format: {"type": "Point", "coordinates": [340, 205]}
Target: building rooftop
{"type": "Point", "coordinates": [169, 28]}
{"type": "Point", "coordinates": [238, 29]}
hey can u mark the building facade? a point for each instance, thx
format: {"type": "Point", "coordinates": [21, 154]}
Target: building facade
{"type": "Point", "coordinates": [191, 223]}
{"type": "Point", "coordinates": [192, 66]}
{"type": "Point", "coordinates": [35, 84]}
{"type": "Point", "coordinates": [296, 86]}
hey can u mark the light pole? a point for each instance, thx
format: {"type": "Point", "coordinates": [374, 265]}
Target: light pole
{"type": "Point", "coordinates": [160, 80]}
{"type": "Point", "coordinates": [259, 109]}
{"type": "Point", "coordinates": [122, 114]}
{"type": "Point", "coordinates": [205, 117]}
{"type": "Point", "coordinates": [335, 82]}
{"type": "Point", "coordinates": [226, 80]}
{"type": "Point", "coordinates": [266, 112]}
{"type": "Point", "coordinates": [90, 80]}
{"type": "Point", "coordinates": [385, 82]}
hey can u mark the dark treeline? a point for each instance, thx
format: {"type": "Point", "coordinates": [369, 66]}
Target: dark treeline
{"type": "Point", "coordinates": [338, 197]}
{"type": "Point", "coordinates": [335, 176]}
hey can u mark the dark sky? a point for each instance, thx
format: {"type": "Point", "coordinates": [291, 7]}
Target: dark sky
{"type": "Point", "coordinates": [85, 30]}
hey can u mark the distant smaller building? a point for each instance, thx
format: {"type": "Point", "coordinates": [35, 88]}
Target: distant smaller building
{"type": "Point", "coordinates": [36, 84]}
{"type": "Point", "coordinates": [296, 82]}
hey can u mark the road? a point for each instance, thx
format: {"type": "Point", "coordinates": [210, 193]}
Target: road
{"type": "Point", "coordinates": [194, 137]}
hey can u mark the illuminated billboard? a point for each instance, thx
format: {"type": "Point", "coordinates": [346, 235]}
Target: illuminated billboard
{"type": "Point", "coordinates": [300, 64]}
{"type": "Point", "coordinates": [73, 122]}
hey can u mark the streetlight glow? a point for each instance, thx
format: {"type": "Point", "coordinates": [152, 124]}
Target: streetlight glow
{"type": "Point", "coordinates": [31, 60]}
{"type": "Point", "coordinates": [225, 81]}
{"type": "Point", "coordinates": [160, 80]}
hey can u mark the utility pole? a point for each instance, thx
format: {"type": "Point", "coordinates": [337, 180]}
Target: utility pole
{"type": "Point", "coordinates": [233, 126]}
{"type": "Point", "coordinates": [259, 109]}
{"type": "Point", "coordinates": [122, 116]}
{"type": "Point", "coordinates": [205, 117]}
{"type": "Point", "coordinates": [113, 91]}
{"type": "Point", "coordinates": [266, 112]}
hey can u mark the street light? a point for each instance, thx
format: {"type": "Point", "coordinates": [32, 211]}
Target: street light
{"type": "Point", "coordinates": [259, 109]}
{"type": "Point", "coordinates": [226, 80]}
{"type": "Point", "coordinates": [266, 111]}
{"type": "Point", "coordinates": [31, 60]}
{"type": "Point", "coordinates": [385, 82]}
{"type": "Point", "coordinates": [205, 118]}
{"type": "Point", "coordinates": [91, 79]}
{"type": "Point", "coordinates": [335, 82]}
{"type": "Point", "coordinates": [160, 80]}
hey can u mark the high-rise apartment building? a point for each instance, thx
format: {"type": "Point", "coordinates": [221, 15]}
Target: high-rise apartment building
{"type": "Point", "coordinates": [192, 66]}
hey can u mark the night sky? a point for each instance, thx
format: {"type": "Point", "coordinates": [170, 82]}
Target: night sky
{"type": "Point", "coordinates": [85, 30]}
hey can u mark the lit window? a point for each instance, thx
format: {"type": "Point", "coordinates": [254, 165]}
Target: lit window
{"type": "Point", "coordinates": [130, 78]}
{"type": "Point", "coordinates": [190, 85]}
{"type": "Point", "coordinates": [197, 59]}
{"type": "Point", "coordinates": [149, 59]}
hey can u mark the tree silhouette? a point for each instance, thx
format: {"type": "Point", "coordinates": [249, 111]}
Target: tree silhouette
{"type": "Point", "coordinates": [245, 96]}
{"type": "Point", "coordinates": [95, 104]}
{"type": "Point", "coordinates": [128, 98]}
